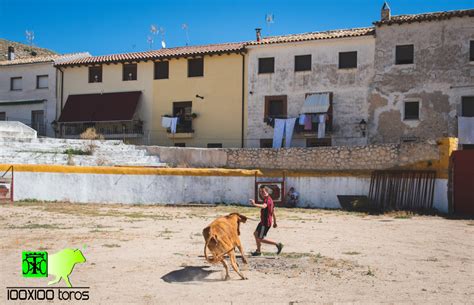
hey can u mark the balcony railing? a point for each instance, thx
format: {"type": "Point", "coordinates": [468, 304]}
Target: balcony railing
{"type": "Point", "coordinates": [108, 130]}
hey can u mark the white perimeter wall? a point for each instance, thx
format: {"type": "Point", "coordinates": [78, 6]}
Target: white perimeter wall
{"type": "Point", "coordinates": [316, 192]}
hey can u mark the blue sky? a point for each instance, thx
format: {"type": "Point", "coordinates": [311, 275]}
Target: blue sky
{"type": "Point", "coordinates": [107, 26]}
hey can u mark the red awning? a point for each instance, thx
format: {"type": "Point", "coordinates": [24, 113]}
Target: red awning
{"type": "Point", "coordinates": [117, 106]}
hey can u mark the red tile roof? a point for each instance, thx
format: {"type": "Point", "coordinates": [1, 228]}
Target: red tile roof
{"type": "Point", "coordinates": [42, 59]}
{"type": "Point", "coordinates": [157, 54]}
{"type": "Point", "coordinates": [117, 106]}
{"type": "Point", "coordinates": [426, 17]}
{"type": "Point", "coordinates": [356, 32]}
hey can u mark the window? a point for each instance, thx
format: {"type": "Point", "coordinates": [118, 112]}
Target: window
{"type": "Point", "coordinates": [42, 82]}
{"type": "Point", "coordinates": [15, 83]}
{"type": "Point", "coordinates": [347, 60]}
{"type": "Point", "coordinates": [214, 145]}
{"type": "Point", "coordinates": [183, 110]}
{"type": "Point", "coordinates": [195, 67]}
{"type": "Point", "coordinates": [37, 121]}
{"type": "Point", "coordinates": [266, 143]}
{"type": "Point", "coordinates": [95, 74]}
{"type": "Point", "coordinates": [3, 116]}
{"type": "Point", "coordinates": [302, 63]}
{"type": "Point", "coordinates": [404, 54]}
{"type": "Point", "coordinates": [129, 72]}
{"type": "Point", "coordinates": [275, 106]}
{"type": "Point", "coordinates": [162, 69]}
{"type": "Point", "coordinates": [314, 142]}
{"type": "Point", "coordinates": [467, 105]}
{"type": "Point", "coordinates": [266, 65]}
{"type": "Point", "coordinates": [412, 111]}
{"type": "Point", "coordinates": [471, 50]}
{"type": "Point", "coordinates": [180, 144]}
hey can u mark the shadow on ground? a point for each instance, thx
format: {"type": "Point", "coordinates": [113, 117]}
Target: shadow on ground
{"type": "Point", "coordinates": [188, 274]}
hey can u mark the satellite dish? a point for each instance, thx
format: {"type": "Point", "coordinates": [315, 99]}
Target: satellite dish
{"type": "Point", "coordinates": [163, 44]}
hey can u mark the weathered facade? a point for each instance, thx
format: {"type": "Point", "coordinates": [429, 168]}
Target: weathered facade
{"type": "Point", "coordinates": [348, 87]}
{"type": "Point", "coordinates": [413, 77]}
{"type": "Point", "coordinates": [437, 78]}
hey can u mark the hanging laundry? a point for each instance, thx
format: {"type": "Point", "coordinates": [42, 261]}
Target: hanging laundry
{"type": "Point", "coordinates": [289, 126]}
{"type": "Point", "coordinates": [321, 126]}
{"type": "Point", "coordinates": [307, 122]}
{"type": "Point", "coordinates": [466, 130]}
{"type": "Point", "coordinates": [174, 122]}
{"type": "Point", "coordinates": [165, 122]}
{"type": "Point", "coordinates": [301, 119]}
{"type": "Point", "coordinates": [278, 133]}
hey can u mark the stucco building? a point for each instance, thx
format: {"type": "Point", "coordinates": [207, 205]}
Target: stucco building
{"type": "Point", "coordinates": [424, 76]}
{"type": "Point", "coordinates": [285, 70]}
{"type": "Point", "coordinates": [201, 85]}
{"type": "Point", "coordinates": [28, 90]}
{"type": "Point", "coordinates": [407, 78]}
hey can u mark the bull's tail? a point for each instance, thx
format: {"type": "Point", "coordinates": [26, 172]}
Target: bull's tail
{"type": "Point", "coordinates": [214, 259]}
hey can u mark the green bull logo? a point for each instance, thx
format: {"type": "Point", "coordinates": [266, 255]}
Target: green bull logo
{"type": "Point", "coordinates": [61, 264]}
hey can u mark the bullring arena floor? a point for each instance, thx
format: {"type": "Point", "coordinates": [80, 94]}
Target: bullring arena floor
{"type": "Point", "coordinates": [153, 254]}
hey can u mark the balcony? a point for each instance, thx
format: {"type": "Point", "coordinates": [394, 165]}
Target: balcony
{"type": "Point", "coordinates": [110, 130]}
{"type": "Point", "coordinates": [183, 131]}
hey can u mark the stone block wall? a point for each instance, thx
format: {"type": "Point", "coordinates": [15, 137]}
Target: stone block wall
{"type": "Point", "coordinates": [370, 157]}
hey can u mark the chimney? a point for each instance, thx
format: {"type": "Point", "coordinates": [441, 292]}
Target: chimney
{"type": "Point", "coordinates": [11, 53]}
{"type": "Point", "coordinates": [259, 34]}
{"type": "Point", "coordinates": [385, 15]}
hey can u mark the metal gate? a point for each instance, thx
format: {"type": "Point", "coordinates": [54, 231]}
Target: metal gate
{"type": "Point", "coordinates": [463, 181]}
{"type": "Point", "coordinates": [402, 189]}
{"type": "Point", "coordinates": [6, 185]}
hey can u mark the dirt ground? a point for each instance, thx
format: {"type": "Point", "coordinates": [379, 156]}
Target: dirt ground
{"type": "Point", "coordinates": [154, 255]}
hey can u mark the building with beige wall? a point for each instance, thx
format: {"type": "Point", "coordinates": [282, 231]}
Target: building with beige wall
{"type": "Point", "coordinates": [125, 96]}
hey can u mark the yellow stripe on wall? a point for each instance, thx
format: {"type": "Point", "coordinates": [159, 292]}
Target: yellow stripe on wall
{"type": "Point", "coordinates": [109, 170]}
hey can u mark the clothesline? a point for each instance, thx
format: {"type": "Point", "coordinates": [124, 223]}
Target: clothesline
{"type": "Point", "coordinates": [286, 127]}
{"type": "Point", "coordinates": [169, 122]}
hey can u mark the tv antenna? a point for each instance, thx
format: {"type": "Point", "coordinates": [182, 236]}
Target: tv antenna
{"type": "Point", "coordinates": [30, 36]}
{"type": "Point", "coordinates": [150, 38]}
{"type": "Point", "coordinates": [269, 19]}
{"type": "Point", "coordinates": [185, 27]}
{"type": "Point", "coordinates": [161, 31]}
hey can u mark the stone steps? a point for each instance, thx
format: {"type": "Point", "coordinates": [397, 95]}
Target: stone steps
{"type": "Point", "coordinates": [52, 151]}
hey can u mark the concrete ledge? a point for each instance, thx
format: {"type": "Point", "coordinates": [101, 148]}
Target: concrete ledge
{"type": "Point", "coordinates": [16, 130]}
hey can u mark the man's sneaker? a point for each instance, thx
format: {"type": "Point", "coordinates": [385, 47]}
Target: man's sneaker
{"type": "Point", "coordinates": [279, 247]}
{"type": "Point", "coordinates": [257, 253]}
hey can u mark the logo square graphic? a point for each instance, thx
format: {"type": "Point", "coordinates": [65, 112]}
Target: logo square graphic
{"type": "Point", "coordinates": [34, 264]}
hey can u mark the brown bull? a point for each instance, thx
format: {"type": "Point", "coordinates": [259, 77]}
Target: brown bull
{"type": "Point", "coordinates": [222, 236]}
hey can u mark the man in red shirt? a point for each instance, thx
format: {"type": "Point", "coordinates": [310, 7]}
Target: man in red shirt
{"type": "Point", "coordinates": [267, 215]}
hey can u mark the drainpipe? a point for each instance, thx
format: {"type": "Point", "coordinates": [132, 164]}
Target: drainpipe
{"type": "Point", "coordinates": [243, 98]}
{"type": "Point", "coordinates": [62, 95]}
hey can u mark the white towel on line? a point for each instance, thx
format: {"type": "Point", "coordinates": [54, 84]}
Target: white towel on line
{"type": "Point", "coordinates": [466, 130]}
{"type": "Point", "coordinates": [174, 122]}
{"type": "Point", "coordinates": [289, 126]}
{"type": "Point", "coordinates": [166, 122]}
{"type": "Point", "coordinates": [278, 131]}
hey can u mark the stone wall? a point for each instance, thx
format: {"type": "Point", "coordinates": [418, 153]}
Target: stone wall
{"type": "Point", "coordinates": [369, 157]}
